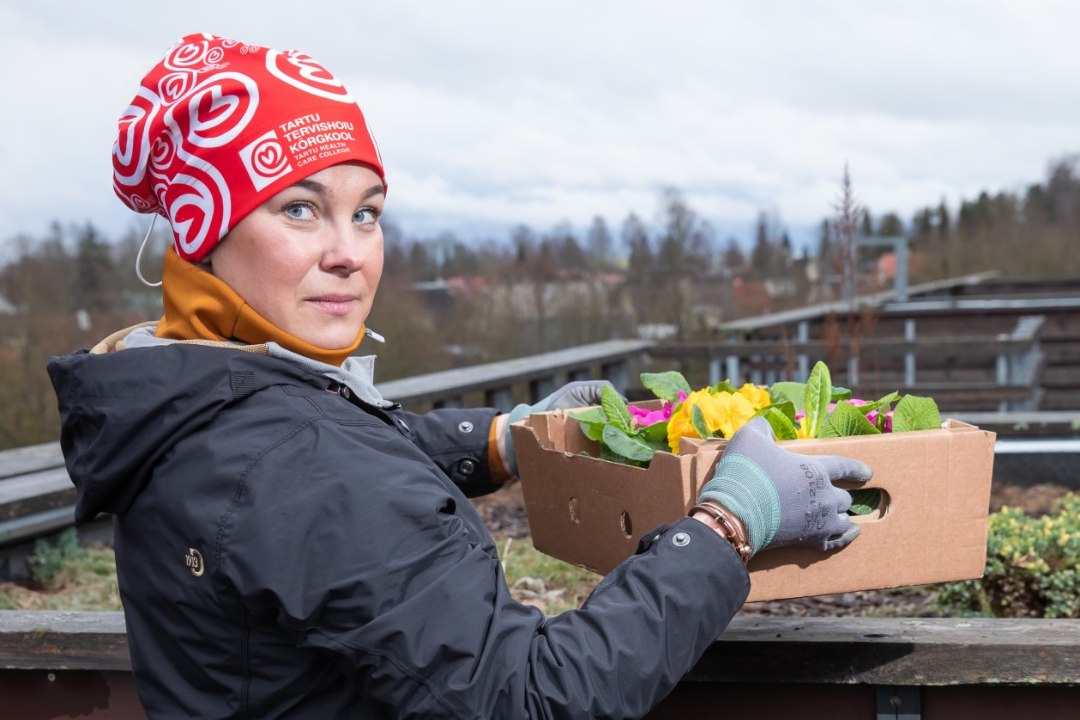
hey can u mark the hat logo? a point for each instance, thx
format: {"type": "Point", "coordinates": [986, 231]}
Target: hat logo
{"type": "Point", "coordinates": [265, 160]}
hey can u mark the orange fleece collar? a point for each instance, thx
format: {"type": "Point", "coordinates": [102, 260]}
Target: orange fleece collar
{"type": "Point", "coordinates": [199, 306]}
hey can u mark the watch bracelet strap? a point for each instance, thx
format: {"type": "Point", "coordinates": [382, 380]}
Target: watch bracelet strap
{"type": "Point", "coordinates": [729, 527]}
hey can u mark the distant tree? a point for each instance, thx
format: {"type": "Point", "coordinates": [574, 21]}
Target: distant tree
{"type": "Point", "coordinates": [763, 254]}
{"type": "Point", "coordinates": [866, 225]}
{"type": "Point", "coordinates": [639, 253]}
{"type": "Point", "coordinates": [421, 266]}
{"type": "Point", "coordinates": [568, 251]}
{"type": "Point", "coordinates": [600, 245]}
{"type": "Point", "coordinates": [395, 253]}
{"type": "Point", "coordinates": [733, 259]}
{"type": "Point", "coordinates": [890, 225]}
{"type": "Point", "coordinates": [846, 222]}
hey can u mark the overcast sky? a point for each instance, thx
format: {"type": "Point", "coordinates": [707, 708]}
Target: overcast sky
{"type": "Point", "coordinates": [497, 112]}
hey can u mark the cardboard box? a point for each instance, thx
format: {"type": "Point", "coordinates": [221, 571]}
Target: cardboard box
{"type": "Point", "coordinates": [931, 526]}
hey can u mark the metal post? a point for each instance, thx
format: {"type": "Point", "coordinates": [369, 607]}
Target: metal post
{"type": "Point", "coordinates": [714, 371]}
{"type": "Point", "coordinates": [618, 374]}
{"type": "Point", "coordinates": [501, 398]}
{"type": "Point", "coordinates": [900, 282]}
{"type": "Point", "coordinates": [899, 245]}
{"type": "Point", "coordinates": [541, 387]}
{"type": "Point", "coordinates": [853, 371]}
{"type": "Point", "coordinates": [733, 373]}
{"type": "Point", "coordinates": [898, 703]}
{"type": "Point", "coordinates": [578, 374]}
{"type": "Point", "coordinates": [802, 362]}
{"type": "Point", "coordinates": [909, 356]}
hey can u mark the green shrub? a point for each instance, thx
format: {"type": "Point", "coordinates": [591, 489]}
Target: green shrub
{"type": "Point", "coordinates": [48, 560]}
{"type": "Point", "coordinates": [1032, 566]}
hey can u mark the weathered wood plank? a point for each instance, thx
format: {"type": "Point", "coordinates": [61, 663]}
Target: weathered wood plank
{"type": "Point", "coordinates": [880, 651]}
{"type": "Point", "coordinates": [35, 492]}
{"type": "Point", "coordinates": [901, 651]}
{"type": "Point", "coordinates": [51, 640]}
{"type": "Point", "coordinates": [478, 378]}
{"type": "Point", "coordinates": [31, 458]}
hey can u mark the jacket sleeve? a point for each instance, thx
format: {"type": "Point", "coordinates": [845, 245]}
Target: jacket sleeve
{"type": "Point", "coordinates": [456, 440]}
{"type": "Point", "coordinates": [405, 588]}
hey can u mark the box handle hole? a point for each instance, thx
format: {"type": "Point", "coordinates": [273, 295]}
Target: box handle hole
{"type": "Point", "coordinates": [574, 517]}
{"type": "Point", "coordinates": [869, 505]}
{"type": "Point", "coordinates": [626, 525]}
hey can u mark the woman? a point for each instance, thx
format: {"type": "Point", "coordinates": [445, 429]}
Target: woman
{"type": "Point", "coordinates": [289, 543]}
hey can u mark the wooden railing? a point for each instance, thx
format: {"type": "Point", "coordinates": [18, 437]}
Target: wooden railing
{"type": "Point", "coordinates": [1000, 371]}
{"type": "Point", "coordinates": [56, 664]}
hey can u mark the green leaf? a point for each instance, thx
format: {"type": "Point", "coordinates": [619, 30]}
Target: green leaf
{"type": "Point", "coordinates": [655, 433]}
{"type": "Point", "coordinates": [666, 385]}
{"type": "Point", "coordinates": [615, 409]}
{"type": "Point", "coordinates": [818, 394]}
{"type": "Point", "coordinates": [783, 426]}
{"type": "Point", "coordinates": [786, 407]}
{"type": "Point", "coordinates": [884, 402]}
{"type": "Point", "coordinates": [844, 421]}
{"type": "Point", "coordinates": [916, 413]}
{"type": "Point", "coordinates": [840, 393]}
{"type": "Point", "coordinates": [592, 422]}
{"type": "Point", "coordinates": [777, 397]}
{"type": "Point", "coordinates": [697, 419]}
{"type": "Point", "coordinates": [793, 391]}
{"type": "Point", "coordinates": [592, 415]}
{"type": "Point", "coordinates": [626, 446]}
{"type": "Point", "coordinates": [723, 386]}
{"type": "Point", "coordinates": [593, 430]}
{"type": "Point", "coordinates": [864, 502]}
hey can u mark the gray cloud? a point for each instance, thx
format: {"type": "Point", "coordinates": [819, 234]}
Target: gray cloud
{"type": "Point", "coordinates": [492, 113]}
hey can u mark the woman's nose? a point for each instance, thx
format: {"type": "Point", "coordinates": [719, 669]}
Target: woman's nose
{"type": "Point", "coordinates": [346, 248]}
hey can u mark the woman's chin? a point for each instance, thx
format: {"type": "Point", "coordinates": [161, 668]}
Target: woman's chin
{"type": "Point", "coordinates": [332, 339]}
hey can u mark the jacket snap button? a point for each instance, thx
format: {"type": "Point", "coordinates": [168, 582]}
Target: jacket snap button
{"type": "Point", "coordinates": [467, 467]}
{"type": "Point", "coordinates": [680, 539]}
{"type": "Point", "coordinates": [465, 426]}
{"type": "Point", "coordinates": [345, 393]}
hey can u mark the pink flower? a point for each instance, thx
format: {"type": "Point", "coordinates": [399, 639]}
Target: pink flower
{"type": "Point", "coordinates": [645, 418]}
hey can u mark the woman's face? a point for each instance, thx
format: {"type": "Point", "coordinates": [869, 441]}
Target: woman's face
{"type": "Point", "coordinates": [309, 259]}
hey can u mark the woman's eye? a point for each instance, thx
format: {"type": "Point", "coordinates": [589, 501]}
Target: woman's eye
{"type": "Point", "coordinates": [299, 211]}
{"type": "Point", "coordinates": [366, 216]}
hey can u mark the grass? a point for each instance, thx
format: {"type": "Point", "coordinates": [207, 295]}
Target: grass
{"type": "Point", "coordinates": [537, 579]}
{"type": "Point", "coordinates": [66, 577]}
{"type": "Point", "coordinates": [69, 577]}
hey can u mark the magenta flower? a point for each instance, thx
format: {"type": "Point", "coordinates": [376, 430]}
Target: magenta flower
{"type": "Point", "coordinates": [871, 416]}
{"type": "Point", "coordinates": [645, 418]}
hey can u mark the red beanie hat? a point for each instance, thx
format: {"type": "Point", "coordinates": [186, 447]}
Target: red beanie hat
{"type": "Point", "coordinates": [218, 127]}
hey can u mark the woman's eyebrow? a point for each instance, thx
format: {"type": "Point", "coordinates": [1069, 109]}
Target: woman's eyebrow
{"type": "Point", "coordinates": [374, 190]}
{"type": "Point", "coordinates": [313, 185]}
{"type": "Point", "coordinates": [317, 187]}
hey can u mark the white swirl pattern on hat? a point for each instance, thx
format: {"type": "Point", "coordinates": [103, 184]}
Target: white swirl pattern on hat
{"type": "Point", "coordinates": [174, 153]}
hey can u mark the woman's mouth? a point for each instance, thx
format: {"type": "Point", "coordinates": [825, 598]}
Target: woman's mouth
{"type": "Point", "coordinates": [335, 304]}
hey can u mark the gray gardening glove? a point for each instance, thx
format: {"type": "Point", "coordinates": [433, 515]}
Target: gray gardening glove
{"type": "Point", "coordinates": [580, 393]}
{"type": "Point", "coordinates": [784, 498]}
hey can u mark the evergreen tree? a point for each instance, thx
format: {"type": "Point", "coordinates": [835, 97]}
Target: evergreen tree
{"type": "Point", "coordinates": [599, 243]}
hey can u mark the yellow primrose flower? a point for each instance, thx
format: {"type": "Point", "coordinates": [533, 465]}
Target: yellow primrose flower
{"type": "Point", "coordinates": [758, 396]}
{"type": "Point", "coordinates": [680, 423]}
{"type": "Point", "coordinates": [727, 412]}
